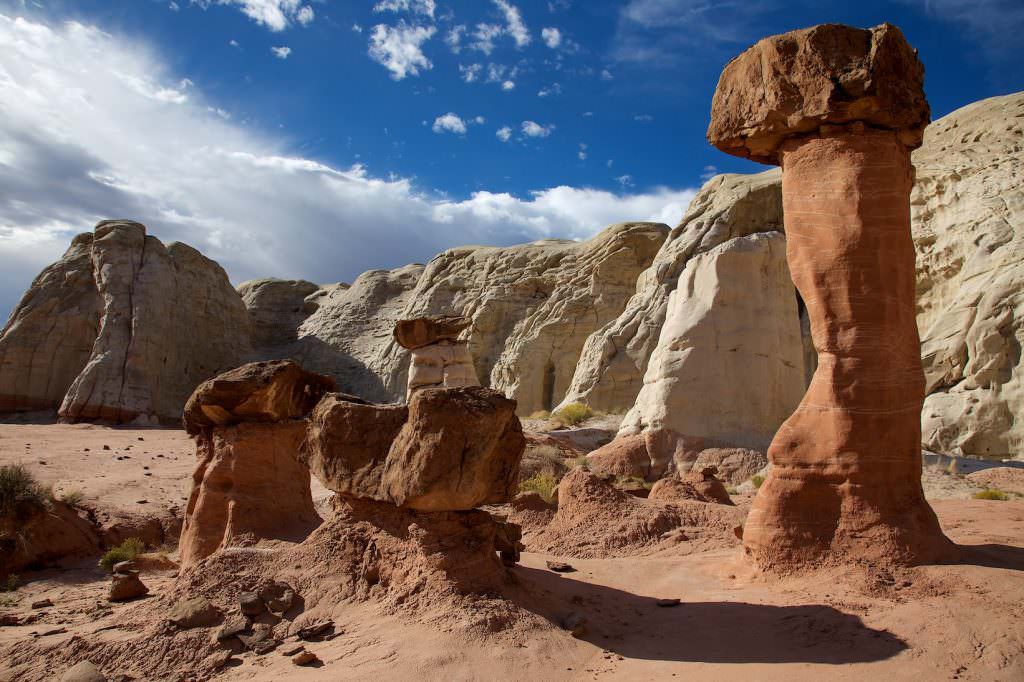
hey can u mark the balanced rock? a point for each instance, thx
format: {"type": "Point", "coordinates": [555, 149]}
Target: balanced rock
{"type": "Point", "coordinates": [248, 484]}
{"type": "Point", "coordinates": [126, 585]}
{"type": "Point", "coordinates": [112, 331]}
{"type": "Point", "coordinates": [450, 449]}
{"type": "Point", "coordinates": [847, 477]}
{"type": "Point", "coordinates": [446, 364]}
{"type": "Point", "coordinates": [269, 391]}
{"type": "Point", "coordinates": [424, 331]}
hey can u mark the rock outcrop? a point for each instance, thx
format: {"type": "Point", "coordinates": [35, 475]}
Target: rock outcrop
{"type": "Point", "coordinates": [439, 359]}
{"type": "Point", "coordinates": [451, 449]}
{"type": "Point", "coordinates": [277, 308]}
{"type": "Point", "coordinates": [968, 219]}
{"type": "Point", "coordinates": [728, 208]}
{"type": "Point", "coordinates": [122, 328]}
{"type": "Point", "coordinates": [847, 477]}
{"type": "Point", "coordinates": [700, 485]}
{"type": "Point", "coordinates": [248, 484]}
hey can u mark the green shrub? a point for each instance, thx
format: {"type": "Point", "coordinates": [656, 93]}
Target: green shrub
{"type": "Point", "coordinates": [126, 551]}
{"type": "Point", "coordinates": [21, 495]}
{"type": "Point", "coordinates": [582, 463]}
{"type": "Point", "coordinates": [757, 480]}
{"type": "Point", "coordinates": [540, 414]}
{"type": "Point", "coordinates": [544, 484]}
{"type": "Point", "coordinates": [991, 494]}
{"type": "Point", "coordinates": [72, 498]}
{"type": "Point", "coordinates": [574, 414]}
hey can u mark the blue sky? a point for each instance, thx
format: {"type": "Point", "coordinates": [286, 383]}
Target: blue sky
{"type": "Point", "coordinates": [320, 138]}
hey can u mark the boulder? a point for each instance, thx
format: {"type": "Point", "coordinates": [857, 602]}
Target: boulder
{"type": "Point", "coordinates": [126, 585]}
{"type": "Point", "coordinates": [154, 344]}
{"type": "Point", "coordinates": [197, 612]}
{"type": "Point", "coordinates": [451, 449]}
{"type": "Point", "coordinates": [269, 391]}
{"type": "Point", "coordinates": [700, 485]}
{"type": "Point", "coordinates": [424, 331]}
{"type": "Point", "coordinates": [84, 671]}
{"type": "Point", "coordinates": [733, 465]}
{"type": "Point", "coordinates": [446, 364]}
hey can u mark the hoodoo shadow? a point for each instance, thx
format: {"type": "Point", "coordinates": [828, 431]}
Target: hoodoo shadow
{"type": "Point", "coordinates": [991, 556]}
{"type": "Point", "coordinates": [707, 632]}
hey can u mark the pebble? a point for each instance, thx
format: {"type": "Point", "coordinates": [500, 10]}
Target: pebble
{"type": "Point", "coordinates": [305, 658]}
{"type": "Point", "coordinates": [559, 567]}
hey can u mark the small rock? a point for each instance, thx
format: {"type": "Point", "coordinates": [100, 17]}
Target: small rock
{"type": "Point", "coordinates": [278, 596]}
{"type": "Point", "coordinates": [251, 604]}
{"type": "Point", "coordinates": [305, 658]}
{"type": "Point", "coordinates": [313, 631]}
{"type": "Point", "coordinates": [141, 438]}
{"type": "Point", "coordinates": [54, 631]}
{"type": "Point", "coordinates": [559, 567]}
{"type": "Point", "coordinates": [194, 613]}
{"type": "Point", "coordinates": [265, 646]}
{"type": "Point", "coordinates": [83, 671]}
{"type": "Point", "coordinates": [575, 623]}
{"type": "Point", "coordinates": [141, 501]}
{"type": "Point", "coordinates": [217, 660]}
{"type": "Point", "coordinates": [235, 625]}
{"type": "Point", "coordinates": [738, 530]}
{"type": "Point", "coordinates": [293, 650]}
{"type": "Point", "coordinates": [125, 566]}
{"type": "Point", "coordinates": [125, 586]}
{"type": "Point", "coordinates": [106, 447]}
{"type": "Point", "coordinates": [42, 604]}
{"type": "Point", "coordinates": [668, 602]}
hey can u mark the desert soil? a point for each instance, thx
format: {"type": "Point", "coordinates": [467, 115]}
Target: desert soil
{"type": "Point", "coordinates": [962, 621]}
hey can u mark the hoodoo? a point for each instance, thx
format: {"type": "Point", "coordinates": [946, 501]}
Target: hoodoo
{"type": "Point", "coordinates": [840, 109]}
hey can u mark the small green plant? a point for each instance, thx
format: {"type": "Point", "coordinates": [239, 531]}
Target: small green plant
{"type": "Point", "coordinates": [731, 490]}
{"type": "Point", "coordinates": [582, 463]}
{"type": "Point", "coordinates": [540, 414]}
{"type": "Point", "coordinates": [126, 551]}
{"type": "Point", "coordinates": [991, 494]}
{"type": "Point", "coordinates": [573, 414]}
{"type": "Point", "coordinates": [21, 495]}
{"type": "Point", "coordinates": [72, 498]}
{"type": "Point", "coordinates": [544, 484]}
{"type": "Point", "coordinates": [757, 480]}
{"type": "Point", "coordinates": [10, 583]}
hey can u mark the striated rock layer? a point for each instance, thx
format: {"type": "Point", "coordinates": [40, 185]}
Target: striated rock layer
{"type": "Point", "coordinates": [846, 484]}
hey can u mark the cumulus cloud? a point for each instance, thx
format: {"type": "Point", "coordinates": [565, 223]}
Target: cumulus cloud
{"type": "Point", "coordinates": [504, 133]}
{"type": "Point", "coordinates": [533, 129]}
{"type": "Point", "coordinates": [276, 15]}
{"type": "Point", "coordinates": [399, 48]}
{"type": "Point", "coordinates": [553, 89]}
{"type": "Point", "coordinates": [484, 36]}
{"type": "Point", "coordinates": [281, 52]}
{"type": "Point", "coordinates": [453, 39]}
{"type": "Point", "coordinates": [93, 139]}
{"type": "Point", "coordinates": [582, 153]}
{"type": "Point", "coordinates": [449, 123]}
{"type": "Point", "coordinates": [625, 180]}
{"type": "Point", "coordinates": [508, 86]}
{"type": "Point", "coordinates": [708, 172]}
{"type": "Point", "coordinates": [470, 73]}
{"type": "Point", "coordinates": [514, 24]}
{"type": "Point", "coordinates": [552, 37]}
{"type": "Point", "coordinates": [424, 7]}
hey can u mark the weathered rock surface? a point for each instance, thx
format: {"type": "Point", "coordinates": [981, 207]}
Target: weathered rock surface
{"type": "Point", "coordinates": [968, 218]}
{"type": "Point", "coordinates": [423, 331]}
{"type": "Point", "coordinates": [846, 481]}
{"type": "Point", "coordinates": [614, 359]}
{"type": "Point", "coordinates": [733, 465]}
{"type": "Point", "coordinates": [450, 449]}
{"type": "Point", "coordinates": [269, 391]}
{"type": "Point", "coordinates": [35, 535]}
{"type": "Point", "coordinates": [700, 484]}
{"type": "Point", "coordinates": [84, 671]}
{"type": "Point", "coordinates": [446, 364]}
{"type": "Point", "coordinates": [125, 585]}
{"type": "Point", "coordinates": [49, 336]}
{"type": "Point", "coordinates": [277, 308]}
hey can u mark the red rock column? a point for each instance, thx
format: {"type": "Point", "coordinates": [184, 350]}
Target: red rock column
{"type": "Point", "coordinates": [847, 477]}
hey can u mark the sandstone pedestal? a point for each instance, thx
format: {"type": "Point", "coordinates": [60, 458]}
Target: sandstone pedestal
{"type": "Point", "coordinates": [840, 109]}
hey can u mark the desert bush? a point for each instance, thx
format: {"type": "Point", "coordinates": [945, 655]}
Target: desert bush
{"type": "Point", "coordinates": [582, 463]}
{"type": "Point", "coordinates": [72, 498]}
{"type": "Point", "coordinates": [544, 484]}
{"type": "Point", "coordinates": [991, 494]}
{"type": "Point", "coordinates": [573, 414]}
{"type": "Point", "coordinates": [126, 551]}
{"type": "Point", "coordinates": [540, 414]}
{"type": "Point", "coordinates": [9, 584]}
{"type": "Point", "coordinates": [21, 495]}
{"type": "Point", "coordinates": [757, 480]}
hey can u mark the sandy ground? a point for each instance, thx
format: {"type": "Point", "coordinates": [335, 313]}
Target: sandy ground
{"type": "Point", "coordinates": [963, 621]}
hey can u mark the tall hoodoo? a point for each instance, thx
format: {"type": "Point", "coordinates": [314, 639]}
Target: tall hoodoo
{"type": "Point", "coordinates": [840, 109]}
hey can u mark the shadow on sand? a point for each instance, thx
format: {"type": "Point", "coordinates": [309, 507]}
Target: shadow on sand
{"type": "Point", "coordinates": [711, 632]}
{"type": "Point", "coordinates": [991, 556]}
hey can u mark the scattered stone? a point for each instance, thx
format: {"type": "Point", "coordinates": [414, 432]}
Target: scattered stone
{"type": "Point", "coordinates": [666, 603]}
{"type": "Point", "coordinates": [251, 604]}
{"type": "Point", "coordinates": [234, 626]}
{"type": "Point", "coordinates": [316, 631]}
{"type": "Point", "coordinates": [54, 631]}
{"type": "Point", "coordinates": [305, 658]}
{"type": "Point", "coordinates": [83, 671]}
{"type": "Point", "coordinates": [264, 646]}
{"type": "Point", "coordinates": [125, 566]}
{"type": "Point", "coordinates": [194, 613]}
{"type": "Point", "coordinates": [125, 586]}
{"type": "Point", "coordinates": [278, 596]}
{"type": "Point", "coordinates": [575, 623]}
{"type": "Point", "coordinates": [42, 604]}
{"type": "Point", "coordinates": [106, 447]}
{"type": "Point", "coordinates": [559, 567]}
{"type": "Point", "coordinates": [293, 650]}
{"type": "Point", "coordinates": [217, 660]}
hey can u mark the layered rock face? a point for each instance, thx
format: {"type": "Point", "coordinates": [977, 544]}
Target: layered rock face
{"type": "Point", "coordinates": [248, 484]}
{"type": "Point", "coordinates": [728, 209]}
{"type": "Point", "coordinates": [847, 476]}
{"type": "Point", "coordinates": [450, 449]}
{"type": "Point", "coordinates": [277, 307]}
{"type": "Point", "coordinates": [968, 217]}
{"type": "Point", "coordinates": [439, 359]}
{"type": "Point", "coordinates": [122, 328]}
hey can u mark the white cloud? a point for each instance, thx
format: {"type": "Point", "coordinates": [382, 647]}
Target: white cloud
{"type": "Point", "coordinates": [503, 133]}
{"type": "Point", "coordinates": [479, 120]}
{"type": "Point", "coordinates": [588, 114]}
{"type": "Point", "coordinates": [508, 86]}
{"type": "Point", "coordinates": [552, 37]}
{"type": "Point", "coordinates": [643, 118]}
{"type": "Point", "coordinates": [276, 15]}
{"type": "Point", "coordinates": [470, 73]}
{"type": "Point", "coordinates": [173, 6]}
{"type": "Point", "coordinates": [281, 52]}
{"type": "Point", "coordinates": [609, 163]}
{"type": "Point", "coordinates": [582, 153]}
{"type": "Point", "coordinates": [233, 43]}
{"type": "Point", "coordinates": [625, 180]}
{"type": "Point", "coordinates": [553, 89]}
{"type": "Point", "coordinates": [357, 28]}
{"type": "Point", "coordinates": [399, 48]}
{"type": "Point", "coordinates": [449, 123]}
{"type": "Point", "coordinates": [532, 129]}
{"type": "Point", "coordinates": [606, 75]}
{"type": "Point", "coordinates": [453, 39]}
{"type": "Point", "coordinates": [424, 7]}
{"type": "Point", "coordinates": [514, 24]}
{"type": "Point", "coordinates": [82, 144]}
{"type": "Point", "coordinates": [709, 172]}
{"type": "Point", "coordinates": [484, 36]}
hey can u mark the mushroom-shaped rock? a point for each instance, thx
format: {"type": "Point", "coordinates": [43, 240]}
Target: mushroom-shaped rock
{"type": "Point", "coordinates": [269, 391]}
{"type": "Point", "coordinates": [840, 109]}
{"type": "Point", "coordinates": [249, 485]}
{"type": "Point", "coordinates": [451, 449]}
{"type": "Point", "coordinates": [423, 331]}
